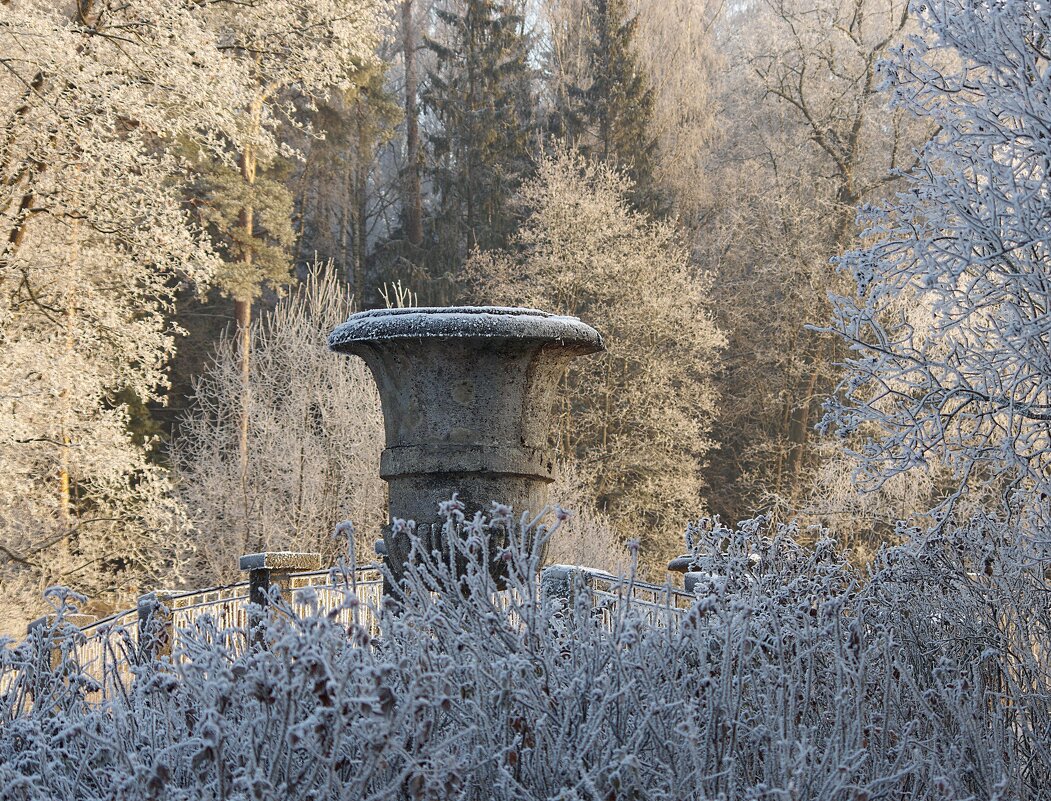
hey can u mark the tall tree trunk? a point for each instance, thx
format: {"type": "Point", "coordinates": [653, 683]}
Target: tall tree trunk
{"type": "Point", "coordinates": [65, 490]}
{"type": "Point", "coordinates": [358, 216]}
{"type": "Point", "coordinates": [347, 200]}
{"type": "Point", "coordinates": [65, 501]}
{"type": "Point", "coordinates": [799, 427]}
{"type": "Point", "coordinates": [413, 198]}
{"type": "Point", "coordinates": [300, 203]}
{"type": "Point", "coordinates": [243, 308]}
{"type": "Point", "coordinates": [243, 316]}
{"type": "Point", "coordinates": [606, 105]}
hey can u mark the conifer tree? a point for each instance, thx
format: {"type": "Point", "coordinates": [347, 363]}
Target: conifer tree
{"type": "Point", "coordinates": [605, 105]}
{"type": "Point", "coordinates": [341, 186]}
{"type": "Point", "coordinates": [480, 94]}
{"type": "Point", "coordinates": [256, 252]}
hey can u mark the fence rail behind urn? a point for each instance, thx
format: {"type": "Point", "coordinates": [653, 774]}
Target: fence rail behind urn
{"type": "Point", "coordinates": [108, 649]}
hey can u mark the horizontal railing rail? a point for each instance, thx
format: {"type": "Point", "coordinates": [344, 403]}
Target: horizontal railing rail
{"type": "Point", "coordinates": [111, 646]}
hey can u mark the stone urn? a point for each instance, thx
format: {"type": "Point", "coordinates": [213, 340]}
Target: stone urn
{"type": "Point", "coordinates": [467, 396]}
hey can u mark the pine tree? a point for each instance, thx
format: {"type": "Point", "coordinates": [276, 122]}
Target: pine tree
{"type": "Point", "coordinates": [340, 190]}
{"type": "Point", "coordinates": [480, 93]}
{"type": "Point", "coordinates": [255, 244]}
{"type": "Point", "coordinates": [605, 109]}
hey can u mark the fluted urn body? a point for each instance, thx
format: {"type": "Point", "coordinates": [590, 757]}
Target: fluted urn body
{"type": "Point", "coordinates": [467, 396]}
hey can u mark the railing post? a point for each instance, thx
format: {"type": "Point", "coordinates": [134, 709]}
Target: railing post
{"type": "Point", "coordinates": [48, 654]}
{"type": "Point", "coordinates": [691, 579]}
{"type": "Point", "coordinates": [273, 568]}
{"type": "Point", "coordinates": [562, 582]}
{"type": "Point", "coordinates": [156, 625]}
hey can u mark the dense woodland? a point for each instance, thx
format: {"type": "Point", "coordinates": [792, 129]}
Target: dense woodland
{"type": "Point", "coordinates": [194, 193]}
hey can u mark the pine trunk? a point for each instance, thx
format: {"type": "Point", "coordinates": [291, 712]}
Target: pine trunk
{"type": "Point", "coordinates": [243, 316]}
{"type": "Point", "coordinates": [346, 200]}
{"type": "Point", "coordinates": [243, 310]}
{"type": "Point", "coordinates": [358, 217]}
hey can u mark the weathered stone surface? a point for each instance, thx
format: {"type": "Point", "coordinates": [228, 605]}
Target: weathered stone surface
{"type": "Point", "coordinates": [683, 564]}
{"type": "Point", "coordinates": [281, 560]}
{"type": "Point", "coordinates": [467, 394]}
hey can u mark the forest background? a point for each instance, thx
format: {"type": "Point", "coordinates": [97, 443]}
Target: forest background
{"type": "Point", "coordinates": [194, 194]}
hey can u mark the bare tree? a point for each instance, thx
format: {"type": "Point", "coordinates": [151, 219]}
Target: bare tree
{"type": "Point", "coordinates": [314, 437]}
{"type": "Point", "coordinates": [950, 327]}
{"type": "Point", "coordinates": [587, 536]}
{"type": "Point", "coordinates": [809, 136]}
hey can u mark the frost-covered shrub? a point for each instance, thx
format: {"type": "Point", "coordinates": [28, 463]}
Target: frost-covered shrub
{"type": "Point", "coordinates": [588, 536]}
{"type": "Point", "coordinates": [635, 419]}
{"type": "Point", "coordinates": [315, 432]}
{"type": "Point", "coordinates": [949, 362]}
{"type": "Point", "coordinates": [793, 676]}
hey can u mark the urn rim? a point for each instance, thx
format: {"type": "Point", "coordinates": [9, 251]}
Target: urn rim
{"type": "Point", "coordinates": [465, 322]}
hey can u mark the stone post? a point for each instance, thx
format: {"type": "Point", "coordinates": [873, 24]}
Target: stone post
{"type": "Point", "coordinates": [155, 626]}
{"type": "Point", "coordinates": [563, 582]}
{"type": "Point", "coordinates": [467, 395]}
{"type": "Point", "coordinates": [274, 568]}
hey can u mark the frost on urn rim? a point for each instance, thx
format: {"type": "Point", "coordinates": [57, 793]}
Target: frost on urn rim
{"type": "Point", "coordinates": [465, 322]}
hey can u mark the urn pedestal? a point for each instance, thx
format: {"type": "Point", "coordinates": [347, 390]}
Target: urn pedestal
{"type": "Point", "coordinates": [467, 396]}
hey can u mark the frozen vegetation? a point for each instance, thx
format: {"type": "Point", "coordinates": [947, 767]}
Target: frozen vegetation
{"type": "Point", "coordinates": [793, 676]}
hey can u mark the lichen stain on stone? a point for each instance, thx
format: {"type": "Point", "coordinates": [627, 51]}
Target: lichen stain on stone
{"type": "Point", "coordinates": [411, 416]}
{"type": "Point", "coordinates": [463, 392]}
{"type": "Point", "coordinates": [460, 435]}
